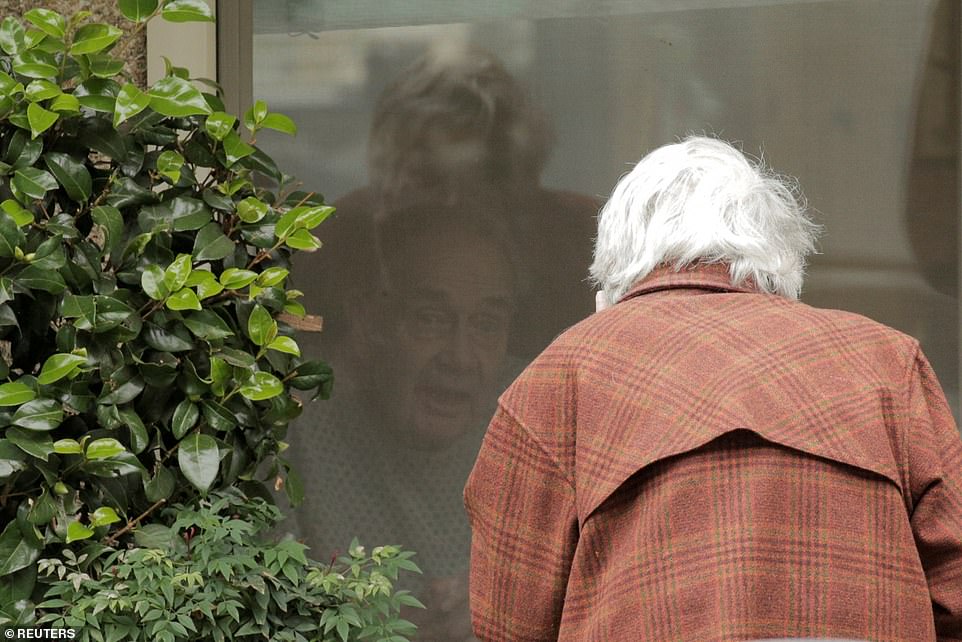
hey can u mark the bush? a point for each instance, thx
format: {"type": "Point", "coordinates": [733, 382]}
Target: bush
{"type": "Point", "coordinates": [146, 319]}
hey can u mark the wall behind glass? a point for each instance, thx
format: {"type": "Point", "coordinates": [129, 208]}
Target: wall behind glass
{"type": "Point", "coordinates": [468, 159]}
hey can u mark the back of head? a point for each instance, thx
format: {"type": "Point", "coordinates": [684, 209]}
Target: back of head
{"type": "Point", "coordinates": [702, 201]}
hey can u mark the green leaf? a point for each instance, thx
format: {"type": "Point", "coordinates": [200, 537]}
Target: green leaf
{"type": "Point", "coordinates": [169, 163]}
{"type": "Point", "coordinates": [137, 10]}
{"type": "Point", "coordinates": [255, 115]}
{"type": "Point", "coordinates": [36, 64]}
{"type": "Point", "coordinates": [98, 313]}
{"type": "Point", "coordinates": [184, 299]}
{"type": "Point", "coordinates": [285, 344]}
{"type": "Point", "coordinates": [236, 278]}
{"type": "Point", "coordinates": [207, 324]}
{"type": "Point", "coordinates": [185, 417]}
{"type": "Point", "coordinates": [205, 282]}
{"type": "Point", "coordinates": [71, 173]}
{"type": "Point", "coordinates": [104, 448]}
{"type": "Point", "coordinates": [34, 182]}
{"type": "Point", "coordinates": [16, 393]}
{"type": "Point", "coordinates": [302, 240]}
{"type": "Point", "coordinates": [152, 281]}
{"type": "Point", "coordinates": [103, 516]}
{"type": "Point", "coordinates": [130, 102]}
{"type": "Point", "coordinates": [166, 340]}
{"type": "Point", "coordinates": [173, 96]}
{"type": "Point", "coordinates": [47, 21]}
{"type": "Point", "coordinates": [11, 35]}
{"type": "Point", "coordinates": [77, 531]}
{"type": "Point", "coordinates": [11, 237]}
{"type": "Point", "coordinates": [8, 85]}
{"type": "Point", "coordinates": [252, 210]}
{"type": "Point", "coordinates": [112, 222]}
{"type": "Point", "coordinates": [104, 65]}
{"type": "Point", "coordinates": [219, 124]}
{"type": "Point", "coordinates": [279, 122]}
{"type": "Point", "coordinates": [160, 537]}
{"type": "Point", "coordinates": [16, 551]}
{"type": "Point", "coordinates": [12, 459]}
{"type": "Point", "coordinates": [263, 385]}
{"type": "Point", "coordinates": [40, 119]}
{"type": "Point", "coordinates": [95, 37]}
{"type": "Point", "coordinates": [36, 278]}
{"type": "Point", "coordinates": [65, 103]}
{"type": "Point", "coordinates": [121, 391]}
{"type": "Point", "coordinates": [58, 366]}
{"type": "Point", "coordinates": [67, 447]}
{"type": "Point", "coordinates": [16, 212]}
{"type": "Point", "coordinates": [211, 244]}
{"type": "Point", "coordinates": [181, 214]}
{"type": "Point", "coordinates": [261, 326]}
{"type": "Point", "coordinates": [218, 416]}
{"type": "Point", "coordinates": [37, 444]}
{"type": "Point", "coordinates": [41, 90]}
{"type": "Point", "coordinates": [177, 272]}
{"type": "Point", "coordinates": [138, 432]}
{"type": "Point", "coordinates": [187, 11]}
{"type": "Point", "coordinates": [272, 276]}
{"type": "Point", "coordinates": [199, 460]}
{"type": "Point", "coordinates": [235, 149]}
{"type": "Point", "coordinates": [39, 414]}
{"type": "Point", "coordinates": [161, 486]}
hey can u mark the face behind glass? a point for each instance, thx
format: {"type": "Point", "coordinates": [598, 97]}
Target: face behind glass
{"type": "Point", "coordinates": [450, 310]}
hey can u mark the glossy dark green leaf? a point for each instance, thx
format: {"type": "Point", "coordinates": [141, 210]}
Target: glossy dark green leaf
{"type": "Point", "coordinates": [35, 278]}
{"type": "Point", "coordinates": [97, 313]}
{"type": "Point", "coordinates": [11, 35]}
{"type": "Point", "coordinates": [219, 124]}
{"type": "Point", "coordinates": [207, 324]}
{"type": "Point", "coordinates": [37, 444]}
{"type": "Point", "coordinates": [39, 414]}
{"type": "Point", "coordinates": [180, 214]}
{"type": "Point", "coordinates": [126, 463]}
{"type": "Point", "coordinates": [218, 416]}
{"type": "Point", "coordinates": [166, 340]}
{"type": "Point", "coordinates": [313, 374]}
{"type": "Point", "coordinates": [130, 102]}
{"type": "Point", "coordinates": [172, 96]}
{"type": "Point", "coordinates": [58, 366]}
{"type": "Point", "coordinates": [23, 151]}
{"type": "Point", "coordinates": [236, 357]}
{"type": "Point", "coordinates": [199, 459]}
{"type": "Point", "coordinates": [111, 221]}
{"type": "Point", "coordinates": [34, 182]}
{"type": "Point", "coordinates": [47, 21]}
{"type": "Point", "coordinates": [104, 448]}
{"type": "Point", "coordinates": [169, 164]}
{"type": "Point", "coordinates": [161, 486]}
{"type": "Point", "coordinates": [211, 244]}
{"type": "Point", "coordinates": [15, 393]}
{"type": "Point", "coordinates": [40, 119]}
{"type": "Point", "coordinates": [252, 210]}
{"type": "Point", "coordinates": [279, 122]}
{"type": "Point", "coordinates": [71, 173]}
{"type": "Point", "coordinates": [137, 10]}
{"type": "Point", "coordinates": [8, 318]}
{"type": "Point", "coordinates": [138, 432]}
{"type": "Point", "coordinates": [184, 299]}
{"type": "Point", "coordinates": [187, 11]}
{"type": "Point", "coordinates": [235, 148]}
{"type": "Point", "coordinates": [50, 255]}
{"type": "Point", "coordinates": [121, 392]}
{"type": "Point", "coordinates": [11, 237]}
{"type": "Point", "coordinates": [95, 37]}
{"type": "Point", "coordinates": [12, 459]}
{"type": "Point", "coordinates": [16, 551]}
{"type": "Point", "coordinates": [160, 537]}
{"type": "Point", "coordinates": [263, 385]}
{"type": "Point", "coordinates": [184, 418]}
{"type": "Point", "coordinates": [99, 135]}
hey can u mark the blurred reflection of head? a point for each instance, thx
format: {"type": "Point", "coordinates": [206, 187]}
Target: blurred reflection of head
{"type": "Point", "coordinates": [451, 118]}
{"type": "Point", "coordinates": [448, 292]}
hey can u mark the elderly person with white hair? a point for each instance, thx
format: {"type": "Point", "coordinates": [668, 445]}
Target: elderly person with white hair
{"type": "Point", "coordinates": [709, 458]}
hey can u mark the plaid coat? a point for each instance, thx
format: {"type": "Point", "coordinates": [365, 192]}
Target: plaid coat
{"type": "Point", "coordinates": [706, 462]}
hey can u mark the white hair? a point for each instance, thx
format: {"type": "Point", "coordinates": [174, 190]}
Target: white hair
{"type": "Point", "coordinates": [702, 201]}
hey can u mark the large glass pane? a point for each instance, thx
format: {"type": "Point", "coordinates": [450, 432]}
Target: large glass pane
{"type": "Point", "coordinates": [468, 147]}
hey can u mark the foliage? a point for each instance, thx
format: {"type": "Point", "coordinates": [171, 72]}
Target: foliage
{"type": "Point", "coordinates": [209, 578]}
{"type": "Point", "coordinates": [146, 346]}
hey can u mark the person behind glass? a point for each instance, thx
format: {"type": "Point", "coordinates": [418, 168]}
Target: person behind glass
{"type": "Point", "coordinates": [708, 458]}
{"type": "Point", "coordinates": [455, 124]}
{"type": "Point", "coordinates": [386, 460]}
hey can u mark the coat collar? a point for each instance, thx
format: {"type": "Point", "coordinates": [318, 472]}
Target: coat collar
{"type": "Point", "coordinates": [712, 277]}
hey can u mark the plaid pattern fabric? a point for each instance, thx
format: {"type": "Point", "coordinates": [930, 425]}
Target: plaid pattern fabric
{"type": "Point", "coordinates": [706, 462]}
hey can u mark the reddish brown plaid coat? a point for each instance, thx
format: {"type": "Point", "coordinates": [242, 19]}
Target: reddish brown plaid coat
{"type": "Point", "coordinates": [704, 462]}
